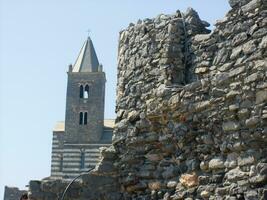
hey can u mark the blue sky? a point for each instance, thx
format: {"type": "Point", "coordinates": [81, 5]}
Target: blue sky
{"type": "Point", "coordinates": [38, 40]}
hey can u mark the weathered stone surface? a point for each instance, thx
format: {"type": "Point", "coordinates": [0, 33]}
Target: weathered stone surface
{"type": "Point", "coordinates": [252, 5]}
{"type": "Point", "coordinates": [231, 161]}
{"type": "Point", "coordinates": [252, 78]}
{"type": "Point", "coordinates": [252, 122]}
{"type": "Point", "coordinates": [201, 37]}
{"type": "Point", "coordinates": [230, 126]}
{"type": "Point", "coordinates": [261, 96]}
{"type": "Point", "coordinates": [207, 125]}
{"type": "Point", "coordinates": [237, 71]}
{"type": "Point", "coordinates": [216, 163]}
{"type": "Point", "coordinates": [13, 193]}
{"type": "Point", "coordinates": [172, 121]}
{"type": "Point", "coordinates": [154, 185]}
{"type": "Point", "coordinates": [171, 184]}
{"type": "Point", "coordinates": [205, 194]}
{"type": "Point", "coordinates": [235, 175]}
{"type": "Point", "coordinates": [245, 159]}
{"type": "Point", "coordinates": [237, 2]}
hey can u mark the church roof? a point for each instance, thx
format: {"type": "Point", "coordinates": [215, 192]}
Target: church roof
{"type": "Point", "coordinates": [87, 60]}
{"type": "Point", "coordinates": [60, 126]}
{"type": "Point", "coordinates": [109, 123]}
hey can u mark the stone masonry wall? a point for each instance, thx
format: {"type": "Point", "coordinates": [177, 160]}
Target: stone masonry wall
{"type": "Point", "coordinates": [13, 193]}
{"type": "Point", "coordinates": [191, 112]}
{"type": "Point", "coordinates": [205, 139]}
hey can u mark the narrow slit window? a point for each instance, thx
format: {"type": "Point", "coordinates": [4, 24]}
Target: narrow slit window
{"type": "Point", "coordinates": [81, 91]}
{"type": "Point", "coordinates": [86, 92]}
{"type": "Point", "coordinates": [81, 118]}
{"type": "Point", "coordinates": [61, 163]}
{"type": "Point", "coordinates": [82, 160]}
{"type": "Point", "coordinates": [85, 118]}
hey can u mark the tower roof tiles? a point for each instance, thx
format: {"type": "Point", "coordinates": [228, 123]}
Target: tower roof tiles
{"type": "Point", "coordinates": [87, 60]}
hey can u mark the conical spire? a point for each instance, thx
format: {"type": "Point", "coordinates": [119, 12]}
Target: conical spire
{"type": "Point", "coordinates": [87, 60]}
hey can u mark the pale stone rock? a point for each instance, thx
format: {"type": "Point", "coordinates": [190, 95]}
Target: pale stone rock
{"type": "Point", "coordinates": [205, 194]}
{"type": "Point", "coordinates": [261, 96]}
{"type": "Point", "coordinates": [216, 163]}
{"type": "Point", "coordinates": [200, 70]}
{"type": "Point", "coordinates": [243, 113]}
{"type": "Point", "coordinates": [232, 94]}
{"type": "Point", "coordinates": [234, 3]}
{"type": "Point", "coordinates": [154, 185]}
{"type": "Point", "coordinates": [252, 5]}
{"type": "Point", "coordinates": [189, 180]}
{"type": "Point", "coordinates": [235, 174]}
{"type": "Point", "coordinates": [263, 44]}
{"type": "Point", "coordinates": [201, 105]}
{"type": "Point", "coordinates": [231, 160]}
{"type": "Point", "coordinates": [204, 166]}
{"type": "Point", "coordinates": [225, 67]}
{"type": "Point", "coordinates": [230, 126]}
{"type": "Point", "coordinates": [239, 38]}
{"type": "Point", "coordinates": [171, 184]}
{"type": "Point", "coordinates": [236, 52]}
{"type": "Point", "coordinates": [237, 71]}
{"type": "Point", "coordinates": [252, 77]}
{"type": "Point", "coordinates": [201, 37]}
{"type": "Point", "coordinates": [233, 107]}
{"type": "Point", "coordinates": [249, 47]}
{"type": "Point", "coordinates": [245, 160]}
{"type": "Point", "coordinates": [252, 122]}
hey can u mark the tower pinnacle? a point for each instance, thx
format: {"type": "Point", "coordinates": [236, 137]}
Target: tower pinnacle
{"type": "Point", "coordinates": [87, 60]}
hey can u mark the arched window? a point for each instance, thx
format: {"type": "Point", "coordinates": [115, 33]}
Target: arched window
{"type": "Point", "coordinates": [82, 164]}
{"type": "Point", "coordinates": [81, 91]}
{"type": "Point", "coordinates": [61, 163]}
{"type": "Point", "coordinates": [81, 118]}
{"type": "Point", "coordinates": [85, 118]}
{"type": "Point", "coordinates": [86, 92]}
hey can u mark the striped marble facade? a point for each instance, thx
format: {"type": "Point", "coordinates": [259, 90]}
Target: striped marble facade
{"type": "Point", "coordinates": [57, 150]}
{"type": "Point", "coordinates": [69, 160]}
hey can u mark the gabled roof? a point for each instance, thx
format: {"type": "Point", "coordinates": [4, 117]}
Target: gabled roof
{"type": "Point", "coordinates": [60, 125]}
{"type": "Point", "coordinates": [109, 123]}
{"type": "Point", "coordinates": [87, 60]}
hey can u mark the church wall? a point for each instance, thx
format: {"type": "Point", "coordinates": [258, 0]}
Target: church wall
{"type": "Point", "coordinates": [57, 154]}
{"type": "Point", "coordinates": [67, 159]}
{"type": "Point", "coordinates": [94, 105]}
{"type": "Point", "coordinates": [72, 160]}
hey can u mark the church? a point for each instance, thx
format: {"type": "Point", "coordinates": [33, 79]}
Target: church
{"type": "Point", "coordinates": [77, 140]}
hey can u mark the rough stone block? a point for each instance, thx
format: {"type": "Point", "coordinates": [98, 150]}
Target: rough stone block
{"type": "Point", "coordinates": [230, 126]}
{"type": "Point", "coordinates": [234, 3]}
{"type": "Point", "coordinates": [216, 163]}
{"type": "Point", "coordinates": [189, 180]}
{"type": "Point", "coordinates": [252, 5]}
{"type": "Point", "coordinates": [252, 122]}
{"type": "Point", "coordinates": [261, 96]}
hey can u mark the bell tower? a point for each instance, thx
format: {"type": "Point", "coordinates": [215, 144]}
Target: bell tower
{"type": "Point", "coordinates": [84, 116]}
